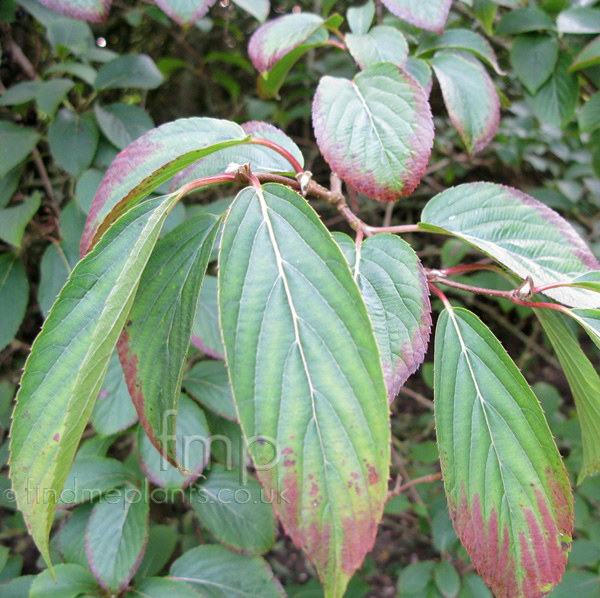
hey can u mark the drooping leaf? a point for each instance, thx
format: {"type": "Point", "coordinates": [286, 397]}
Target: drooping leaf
{"type": "Point", "coordinates": [476, 116]}
{"type": "Point", "coordinates": [430, 15]}
{"type": "Point", "coordinates": [326, 377]}
{"type": "Point", "coordinates": [510, 226]}
{"type": "Point", "coordinates": [524, 20]}
{"type": "Point", "coordinates": [259, 9]}
{"type": "Point", "coordinates": [589, 56]}
{"type": "Point", "coordinates": [185, 12]}
{"type": "Point", "coordinates": [17, 144]}
{"type": "Point", "coordinates": [150, 161]}
{"type": "Point", "coordinates": [376, 131]}
{"type": "Point", "coordinates": [216, 572]}
{"type": "Point", "coordinates": [394, 288]}
{"type": "Point", "coordinates": [14, 296]}
{"type": "Point", "coordinates": [155, 341]}
{"type": "Point", "coordinates": [136, 70]}
{"type": "Point", "coordinates": [15, 219]}
{"type": "Point", "coordinates": [87, 10]}
{"type": "Point", "coordinates": [68, 362]}
{"type": "Point", "coordinates": [206, 334]}
{"type": "Point", "coordinates": [162, 541]}
{"type": "Point", "coordinates": [579, 20]}
{"type": "Point", "coordinates": [556, 101]}
{"type": "Point", "coordinates": [122, 123]}
{"type": "Point", "coordinates": [115, 538]}
{"type": "Point", "coordinates": [73, 140]}
{"type": "Point", "coordinates": [360, 17]}
{"type": "Point", "coordinates": [71, 581]}
{"type": "Point", "coordinates": [381, 44]}
{"type": "Point", "coordinates": [507, 488]}
{"type": "Point", "coordinates": [461, 39]}
{"type": "Point", "coordinates": [193, 441]}
{"type": "Point", "coordinates": [533, 58]}
{"type": "Point", "coordinates": [208, 383]}
{"type": "Point", "coordinates": [234, 508]}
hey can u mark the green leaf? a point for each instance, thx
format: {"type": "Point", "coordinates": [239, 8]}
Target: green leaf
{"type": "Point", "coordinates": [162, 541]}
{"type": "Point", "coordinates": [394, 288]}
{"type": "Point", "coordinates": [381, 44]}
{"type": "Point", "coordinates": [52, 93]}
{"type": "Point", "coordinates": [533, 58]}
{"type": "Point", "coordinates": [511, 229]}
{"type": "Point", "coordinates": [461, 39]}
{"type": "Point", "coordinates": [476, 116]}
{"type": "Point", "coordinates": [69, 358]}
{"type": "Point", "coordinates": [485, 11]}
{"type": "Point", "coordinates": [122, 123]}
{"type": "Point", "coordinates": [295, 303]}
{"type": "Point", "coordinates": [71, 536]}
{"type": "Point", "coordinates": [524, 20]}
{"type": "Point", "coordinates": [579, 20]}
{"type": "Point", "coordinates": [14, 220]}
{"type": "Point", "coordinates": [154, 344]}
{"type": "Point", "coordinates": [421, 71]}
{"type": "Point", "coordinates": [215, 572]}
{"type": "Point", "coordinates": [159, 587]}
{"type": "Point", "coordinates": [115, 538]}
{"type": "Point", "coordinates": [446, 579]}
{"type": "Point", "coordinates": [9, 184]}
{"type": "Point", "coordinates": [415, 578]}
{"type": "Point", "coordinates": [474, 587]}
{"type": "Point", "coordinates": [589, 56]}
{"type": "Point", "coordinates": [360, 17]}
{"type": "Point", "coordinates": [577, 583]}
{"type": "Point", "coordinates": [17, 144]}
{"type": "Point", "coordinates": [556, 100]}
{"type": "Point", "coordinates": [206, 334]}
{"type": "Point", "coordinates": [71, 582]}
{"type": "Point", "coordinates": [185, 12]}
{"type": "Point", "coordinates": [235, 510]}
{"type": "Point", "coordinates": [71, 35]}
{"type": "Point", "coordinates": [17, 588]}
{"type": "Point", "coordinates": [82, 71]}
{"type": "Point", "coordinates": [430, 15]}
{"type": "Point", "coordinates": [507, 488]}
{"type": "Point", "coordinates": [376, 131]}
{"type": "Point", "coordinates": [259, 9]}
{"type": "Point", "coordinates": [193, 441]}
{"type": "Point", "coordinates": [589, 319]}
{"type": "Point", "coordinates": [208, 383]}
{"type": "Point", "coordinates": [136, 71]}
{"type": "Point", "coordinates": [113, 412]}
{"type": "Point", "coordinates": [14, 296]}
{"type": "Point", "coordinates": [150, 161]}
{"type": "Point", "coordinates": [589, 117]}
{"type": "Point", "coordinates": [73, 140]}
{"type": "Point", "coordinates": [88, 10]}
{"type": "Point", "coordinates": [21, 93]}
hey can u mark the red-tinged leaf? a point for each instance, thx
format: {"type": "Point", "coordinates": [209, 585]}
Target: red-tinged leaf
{"type": "Point", "coordinates": [429, 14]}
{"type": "Point", "coordinates": [508, 490]}
{"type": "Point", "coordinates": [156, 338]}
{"type": "Point", "coordinates": [394, 288]}
{"type": "Point", "coordinates": [376, 131]}
{"type": "Point", "coordinates": [314, 386]}
{"type": "Point", "coordinates": [185, 12]}
{"type": "Point", "coordinates": [151, 160]}
{"type": "Point", "coordinates": [85, 10]}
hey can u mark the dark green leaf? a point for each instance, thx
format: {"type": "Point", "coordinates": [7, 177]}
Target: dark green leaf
{"type": "Point", "coordinates": [208, 383]}
{"type": "Point", "coordinates": [533, 58]}
{"type": "Point", "coordinates": [71, 536]}
{"type": "Point", "coordinates": [122, 123]}
{"type": "Point", "coordinates": [162, 540]}
{"type": "Point", "coordinates": [206, 334]}
{"type": "Point", "coordinates": [17, 144]}
{"type": "Point", "coordinates": [137, 71]}
{"type": "Point", "coordinates": [160, 587]}
{"type": "Point", "coordinates": [524, 20]}
{"type": "Point", "coordinates": [14, 296]}
{"type": "Point", "coordinates": [51, 94]}
{"type": "Point", "coordinates": [589, 56]}
{"type": "Point", "coordinates": [71, 582]}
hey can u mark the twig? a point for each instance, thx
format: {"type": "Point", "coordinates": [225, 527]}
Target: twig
{"type": "Point", "coordinates": [400, 488]}
{"type": "Point", "coordinates": [423, 400]}
{"type": "Point", "coordinates": [22, 60]}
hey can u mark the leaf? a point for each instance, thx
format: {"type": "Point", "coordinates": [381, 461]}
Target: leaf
{"type": "Point", "coordinates": [260, 158]}
{"type": "Point", "coordinates": [381, 44]}
{"type": "Point", "coordinates": [235, 510]}
{"type": "Point", "coordinates": [461, 39]}
{"type": "Point", "coordinates": [162, 541]}
{"type": "Point", "coordinates": [71, 582]}
{"type": "Point", "coordinates": [82, 71]}
{"type": "Point", "coordinates": [115, 538]}
{"type": "Point", "coordinates": [206, 334]}
{"type": "Point", "coordinates": [582, 584]}
{"type": "Point", "coordinates": [533, 58]}
{"type": "Point", "coordinates": [421, 71]}
{"type": "Point", "coordinates": [52, 93]}
{"type": "Point", "coordinates": [507, 488]}
{"type": "Point", "coordinates": [87, 10]}
{"type": "Point", "coordinates": [193, 449]}
{"type": "Point", "coordinates": [394, 288]}
{"type": "Point", "coordinates": [524, 20]}
{"type": "Point", "coordinates": [589, 56]}
{"type": "Point", "coordinates": [9, 184]}
{"type": "Point", "coordinates": [208, 383]}
{"type": "Point", "coordinates": [510, 226]}
{"type": "Point", "coordinates": [14, 296]}
{"type": "Point", "coordinates": [216, 572]}
{"type": "Point", "coordinates": [376, 131]}
{"type": "Point", "coordinates": [71, 536]}
{"type": "Point", "coordinates": [160, 587]}
{"type": "Point", "coordinates": [295, 304]}
{"type": "Point", "coordinates": [154, 343]}
{"type": "Point", "coordinates": [14, 220]}
{"type": "Point", "coordinates": [18, 587]}
{"type": "Point", "coordinates": [122, 123]}
{"type": "Point", "coordinates": [17, 144]}
{"type": "Point", "coordinates": [360, 17]}
{"type": "Point", "coordinates": [431, 15]}
{"type": "Point", "coordinates": [556, 100]}
{"type": "Point", "coordinates": [446, 579]}
{"type": "Point", "coordinates": [476, 116]}
{"type": "Point", "coordinates": [68, 362]}
{"type": "Point", "coordinates": [259, 9]}
{"type": "Point", "coordinates": [21, 93]}
{"type": "Point", "coordinates": [185, 12]}
{"type": "Point", "coordinates": [150, 161]}
{"type": "Point", "coordinates": [113, 412]}
{"type": "Point", "coordinates": [69, 35]}
{"type": "Point", "coordinates": [136, 71]}
{"type": "Point", "coordinates": [73, 140]}
{"type": "Point", "coordinates": [579, 20]}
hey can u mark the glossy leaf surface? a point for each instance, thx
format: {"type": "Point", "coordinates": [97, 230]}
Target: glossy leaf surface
{"type": "Point", "coordinates": [430, 15]}
{"type": "Point", "coordinates": [286, 289]}
{"type": "Point", "coordinates": [507, 488]}
{"type": "Point", "coordinates": [376, 131]}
